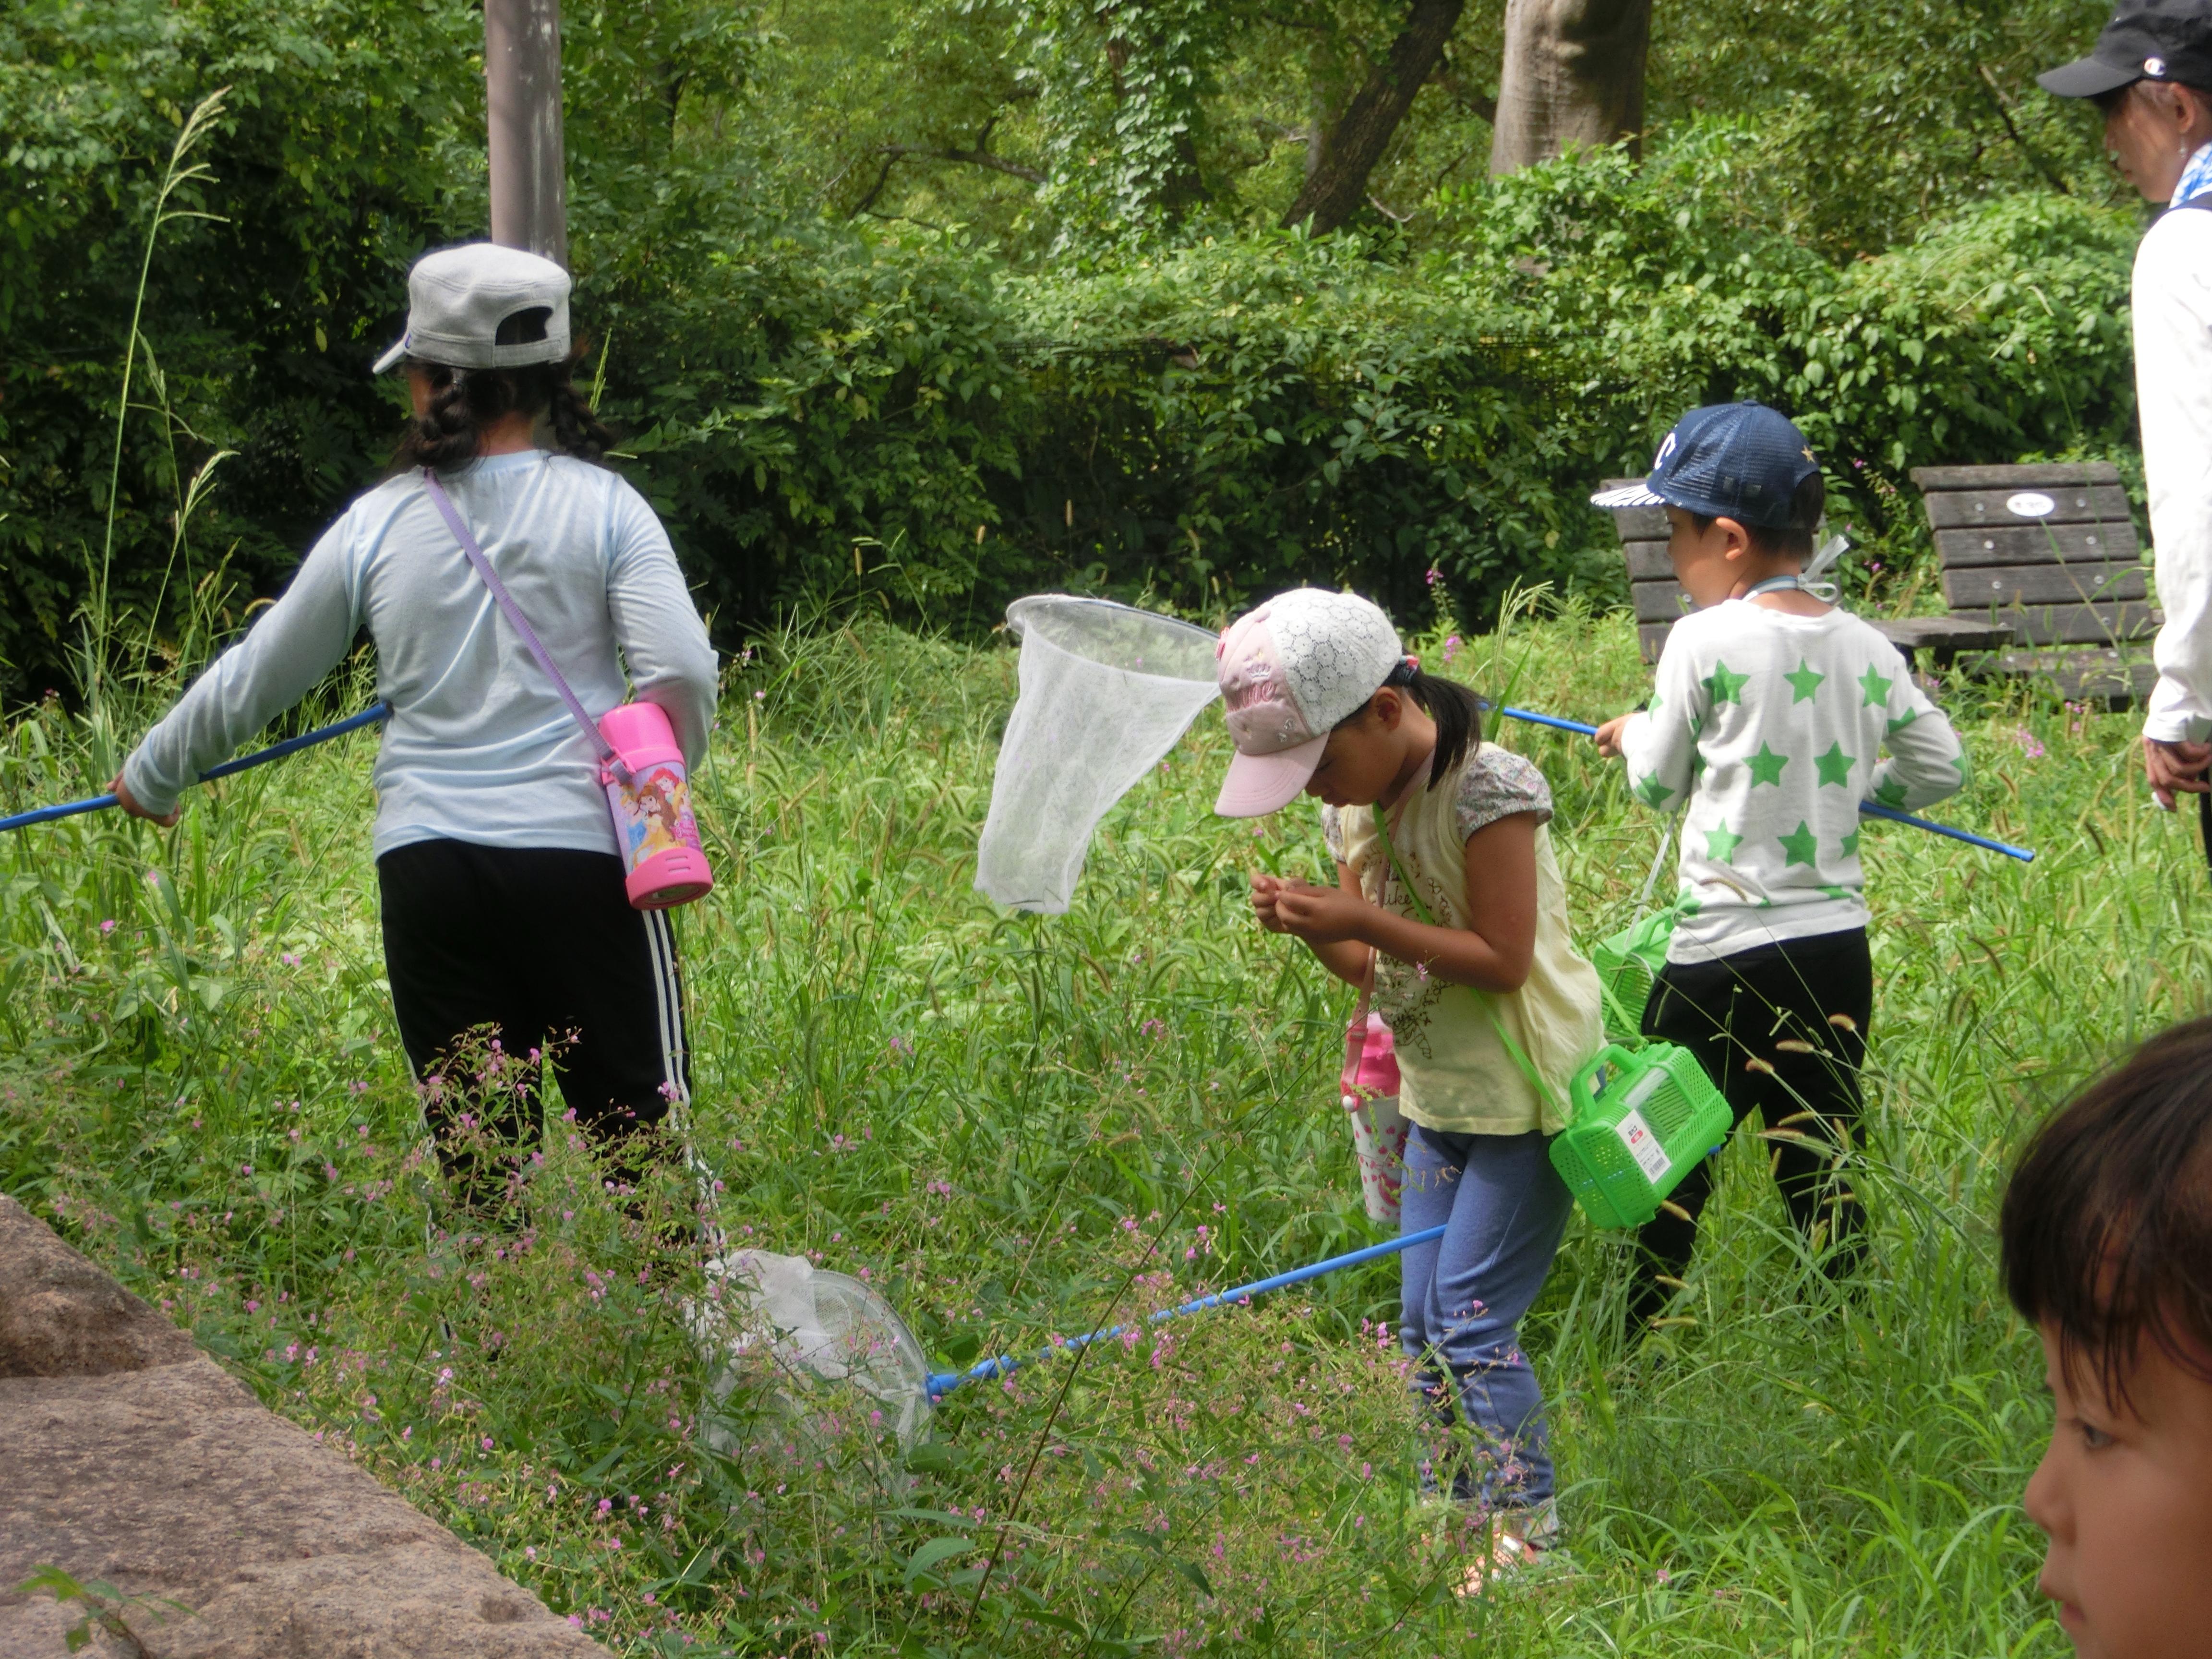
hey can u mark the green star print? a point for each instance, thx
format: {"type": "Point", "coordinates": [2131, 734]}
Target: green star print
{"type": "Point", "coordinates": [1721, 845]}
{"type": "Point", "coordinates": [1835, 765]}
{"type": "Point", "coordinates": [1891, 794]}
{"type": "Point", "coordinates": [1876, 689]}
{"type": "Point", "coordinates": [1766, 766]}
{"type": "Point", "coordinates": [1850, 844]}
{"type": "Point", "coordinates": [1652, 792]}
{"type": "Point", "coordinates": [1902, 721]}
{"type": "Point", "coordinates": [1806, 681]}
{"type": "Point", "coordinates": [1804, 848]}
{"type": "Point", "coordinates": [1724, 686]}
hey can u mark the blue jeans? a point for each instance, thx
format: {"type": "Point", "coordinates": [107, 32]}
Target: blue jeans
{"type": "Point", "coordinates": [1504, 1208]}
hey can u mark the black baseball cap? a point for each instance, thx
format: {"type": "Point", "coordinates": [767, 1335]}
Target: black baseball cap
{"type": "Point", "coordinates": [1741, 461]}
{"type": "Point", "coordinates": [2146, 40]}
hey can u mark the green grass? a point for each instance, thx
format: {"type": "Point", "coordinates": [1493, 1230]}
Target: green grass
{"type": "Point", "coordinates": [1018, 1126]}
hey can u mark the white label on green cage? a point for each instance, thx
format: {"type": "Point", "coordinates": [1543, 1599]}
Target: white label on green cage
{"type": "Point", "coordinates": [1643, 1146]}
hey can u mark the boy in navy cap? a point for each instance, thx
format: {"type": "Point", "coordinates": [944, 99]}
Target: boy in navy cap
{"type": "Point", "coordinates": [1763, 725]}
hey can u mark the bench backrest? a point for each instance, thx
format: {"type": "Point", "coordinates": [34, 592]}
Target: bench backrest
{"type": "Point", "coordinates": [1658, 598]}
{"type": "Point", "coordinates": [2049, 549]}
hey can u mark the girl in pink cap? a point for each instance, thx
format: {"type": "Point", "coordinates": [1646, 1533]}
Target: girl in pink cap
{"type": "Point", "coordinates": [1450, 909]}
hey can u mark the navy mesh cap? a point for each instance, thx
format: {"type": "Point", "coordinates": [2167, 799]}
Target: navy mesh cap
{"type": "Point", "coordinates": [1741, 461]}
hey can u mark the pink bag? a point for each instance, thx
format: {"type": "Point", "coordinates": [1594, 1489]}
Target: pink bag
{"type": "Point", "coordinates": [653, 810]}
{"type": "Point", "coordinates": [1369, 1090]}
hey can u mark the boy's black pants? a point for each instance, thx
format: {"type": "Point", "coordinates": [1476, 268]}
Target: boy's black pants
{"type": "Point", "coordinates": [1782, 1030]}
{"type": "Point", "coordinates": [542, 943]}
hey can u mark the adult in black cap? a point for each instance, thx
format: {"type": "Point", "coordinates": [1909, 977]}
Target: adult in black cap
{"type": "Point", "coordinates": [2151, 75]}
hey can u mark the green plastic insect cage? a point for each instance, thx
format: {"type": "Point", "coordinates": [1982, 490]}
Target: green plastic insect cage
{"type": "Point", "coordinates": [1642, 1119]}
{"type": "Point", "coordinates": [1627, 965]}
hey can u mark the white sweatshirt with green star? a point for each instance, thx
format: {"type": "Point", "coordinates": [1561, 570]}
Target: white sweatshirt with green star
{"type": "Point", "coordinates": [1771, 725]}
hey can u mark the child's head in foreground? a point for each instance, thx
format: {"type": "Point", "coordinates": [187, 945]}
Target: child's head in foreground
{"type": "Point", "coordinates": [2107, 1250]}
{"type": "Point", "coordinates": [1743, 497]}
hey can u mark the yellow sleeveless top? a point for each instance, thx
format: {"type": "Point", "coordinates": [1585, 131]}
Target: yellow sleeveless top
{"type": "Point", "coordinates": [1456, 1075]}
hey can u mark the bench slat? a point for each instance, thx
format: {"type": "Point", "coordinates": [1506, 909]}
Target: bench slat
{"type": "Point", "coordinates": [1648, 562]}
{"type": "Point", "coordinates": [2034, 475]}
{"type": "Point", "coordinates": [2074, 624]}
{"type": "Point", "coordinates": [1658, 602]}
{"type": "Point", "coordinates": [2077, 676]}
{"type": "Point", "coordinates": [2036, 543]}
{"type": "Point", "coordinates": [1910, 634]}
{"type": "Point", "coordinates": [1974, 589]}
{"type": "Point", "coordinates": [1978, 508]}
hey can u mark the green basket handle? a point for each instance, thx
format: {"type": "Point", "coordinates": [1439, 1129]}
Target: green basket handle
{"type": "Point", "coordinates": [1584, 1089]}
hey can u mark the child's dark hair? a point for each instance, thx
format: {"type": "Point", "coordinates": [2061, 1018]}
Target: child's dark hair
{"type": "Point", "coordinates": [1457, 711]}
{"type": "Point", "coordinates": [464, 401]}
{"type": "Point", "coordinates": [2106, 1230]}
{"type": "Point", "coordinates": [1795, 542]}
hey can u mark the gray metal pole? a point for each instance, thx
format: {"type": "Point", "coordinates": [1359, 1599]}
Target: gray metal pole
{"type": "Point", "coordinates": [528, 171]}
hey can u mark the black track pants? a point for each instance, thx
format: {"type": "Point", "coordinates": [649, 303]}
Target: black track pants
{"type": "Point", "coordinates": [1782, 1030]}
{"type": "Point", "coordinates": [542, 943]}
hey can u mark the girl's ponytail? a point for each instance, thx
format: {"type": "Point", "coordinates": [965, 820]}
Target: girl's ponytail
{"type": "Point", "coordinates": [1455, 709]}
{"type": "Point", "coordinates": [464, 401]}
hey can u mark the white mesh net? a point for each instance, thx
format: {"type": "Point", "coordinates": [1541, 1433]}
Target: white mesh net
{"type": "Point", "coordinates": [1106, 689]}
{"type": "Point", "coordinates": [814, 1338]}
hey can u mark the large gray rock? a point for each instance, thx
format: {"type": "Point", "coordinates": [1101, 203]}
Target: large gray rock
{"type": "Point", "coordinates": [125, 1458]}
{"type": "Point", "coordinates": [62, 1316]}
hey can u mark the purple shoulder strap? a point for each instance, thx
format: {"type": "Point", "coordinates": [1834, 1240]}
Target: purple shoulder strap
{"type": "Point", "coordinates": [512, 612]}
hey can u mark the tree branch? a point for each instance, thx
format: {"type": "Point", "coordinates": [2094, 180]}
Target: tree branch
{"type": "Point", "coordinates": [1336, 186]}
{"type": "Point", "coordinates": [1453, 85]}
{"type": "Point", "coordinates": [978, 157]}
{"type": "Point", "coordinates": [867, 203]}
{"type": "Point", "coordinates": [2003, 106]}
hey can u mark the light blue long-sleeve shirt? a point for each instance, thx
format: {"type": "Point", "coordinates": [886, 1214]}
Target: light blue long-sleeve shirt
{"type": "Point", "coordinates": [479, 748]}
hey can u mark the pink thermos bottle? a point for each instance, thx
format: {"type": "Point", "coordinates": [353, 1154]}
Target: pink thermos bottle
{"type": "Point", "coordinates": [653, 813]}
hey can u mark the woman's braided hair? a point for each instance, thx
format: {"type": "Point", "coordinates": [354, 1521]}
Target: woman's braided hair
{"type": "Point", "coordinates": [464, 401]}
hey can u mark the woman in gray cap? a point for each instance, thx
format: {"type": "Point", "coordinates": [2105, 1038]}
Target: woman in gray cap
{"type": "Point", "coordinates": [502, 891]}
{"type": "Point", "coordinates": [2151, 75]}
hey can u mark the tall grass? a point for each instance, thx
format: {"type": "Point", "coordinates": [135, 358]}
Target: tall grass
{"type": "Point", "coordinates": [1018, 1126]}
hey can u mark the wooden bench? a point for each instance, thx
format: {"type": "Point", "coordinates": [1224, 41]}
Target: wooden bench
{"type": "Point", "coordinates": [2049, 552]}
{"type": "Point", "coordinates": [2064, 573]}
{"type": "Point", "coordinates": [1657, 597]}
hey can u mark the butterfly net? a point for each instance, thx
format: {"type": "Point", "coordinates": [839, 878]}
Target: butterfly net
{"type": "Point", "coordinates": [839, 1374]}
{"type": "Point", "coordinates": [1106, 689]}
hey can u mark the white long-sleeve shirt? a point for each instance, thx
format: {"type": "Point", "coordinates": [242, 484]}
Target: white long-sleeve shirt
{"type": "Point", "coordinates": [480, 747]}
{"type": "Point", "coordinates": [1768, 725]}
{"type": "Point", "coordinates": [2173, 306]}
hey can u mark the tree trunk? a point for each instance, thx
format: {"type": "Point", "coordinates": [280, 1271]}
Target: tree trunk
{"type": "Point", "coordinates": [1573, 78]}
{"type": "Point", "coordinates": [1349, 149]}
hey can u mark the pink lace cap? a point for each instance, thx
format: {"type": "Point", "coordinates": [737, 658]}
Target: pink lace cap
{"type": "Point", "coordinates": [1289, 671]}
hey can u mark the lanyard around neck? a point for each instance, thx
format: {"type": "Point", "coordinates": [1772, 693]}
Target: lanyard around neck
{"type": "Point", "coordinates": [1824, 592]}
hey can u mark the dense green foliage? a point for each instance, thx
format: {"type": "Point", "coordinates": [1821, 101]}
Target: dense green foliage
{"type": "Point", "coordinates": [1018, 1126]}
{"type": "Point", "coordinates": [1119, 376]}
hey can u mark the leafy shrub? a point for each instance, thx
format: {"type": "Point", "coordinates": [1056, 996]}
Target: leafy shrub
{"type": "Point", "coordinates": [1201, 422]}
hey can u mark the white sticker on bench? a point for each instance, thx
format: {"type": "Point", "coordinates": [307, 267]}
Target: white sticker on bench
{"type": "Point", "coordinates": [2031, 504]}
